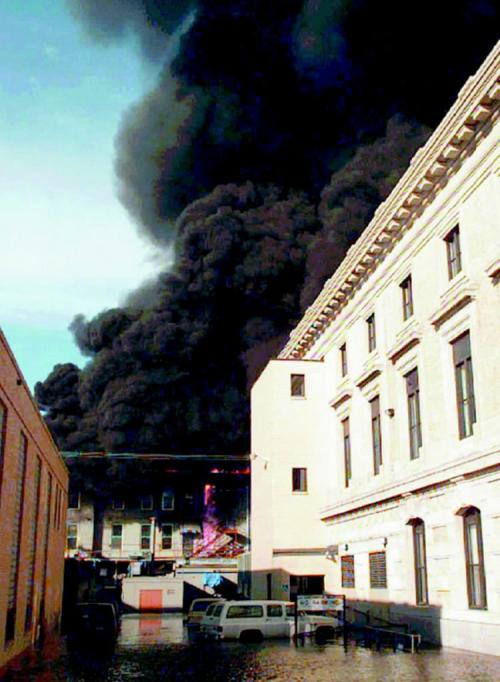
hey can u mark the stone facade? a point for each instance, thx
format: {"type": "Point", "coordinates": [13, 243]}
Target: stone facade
{"type": "Point", "coordinates": [385, 402]}
{"type": "Point", "coordinates": [33, 500]}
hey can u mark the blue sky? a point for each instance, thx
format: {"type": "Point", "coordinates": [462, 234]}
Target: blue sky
{"type": "Point", "coordinates": [66, 244]}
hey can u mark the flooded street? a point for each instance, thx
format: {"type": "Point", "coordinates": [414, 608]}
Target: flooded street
{"type": "Point", "coordinates": [157, 648]}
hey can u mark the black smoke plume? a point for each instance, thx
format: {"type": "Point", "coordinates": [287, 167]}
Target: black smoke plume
{"type": "Point", "coordinates": [274, 131]}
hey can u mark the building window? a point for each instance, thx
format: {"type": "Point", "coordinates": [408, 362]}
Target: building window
{"type": "Point", "coordinates": [167, 531]}
{"type": "Point", "coordinates": [74, 499]}
{"type": "Point", "coordinates": [343, 359]}
{"type": "Point", "coordinates": [347, 569]}
{"type": "Point", "coordinates": [347, 451]}
{"type": "Point", "coordinates": [298, 385]}
{"type": "Point", "coordinates": [378, 570]}
{"type": "Point", "coordinates": [419, 555]}
{"type": "Point", "coordinates": [16, 527]}
{"type": "Point", "coordinates": [72, 536]}
{"type": "Point", "coordinates": [187, 544]}
{"type": "Point", "coordinates": [146, 536]}
{"type": "Point", "coordinates": [474, 560]}
{"type": "Point", "coordinates": [299, 480]}
{"type": "Point", "coordinates": [376, 435]}
{"type": "Point", "coordinates": [146, 502]}
{"type": "Point", "coordinates": [167, 500]}
{"type": "Point", "coordinates": [3, 429]}
{"type": "Point", "coordinates": [116, 536]}
{"type": "Point", "coordinates": [118, 503]}
{"type": "Point", "coordinates": [453, 252]}
{"type": "Point", "coordinates": [414, 425]}
{"type": "Point", "coordinates": [464, 385]}
{"type": "Point", "coordinates": [407, 293]}
{"type": "Point", "coordinates": [372, 339]}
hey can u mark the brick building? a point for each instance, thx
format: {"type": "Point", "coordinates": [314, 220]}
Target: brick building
{"type": "Point", "coordinates": [33, 501]}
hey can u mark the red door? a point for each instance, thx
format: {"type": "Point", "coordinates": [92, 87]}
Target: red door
{"type": "Point", "coordinates": [150, 600]}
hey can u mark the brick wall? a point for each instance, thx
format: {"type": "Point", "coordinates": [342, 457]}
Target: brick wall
{"type": "Point", "coordinates": [33, 502]}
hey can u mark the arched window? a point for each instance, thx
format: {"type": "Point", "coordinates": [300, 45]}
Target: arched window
{"type": "Point", "coordinates": [420, 561]}
{"type": "Point", "coordinates": [474, 558]}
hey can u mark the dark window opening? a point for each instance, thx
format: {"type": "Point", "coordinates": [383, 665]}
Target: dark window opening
{"type": "Point", "coordinates": [298, 385]}
{"type": "Point", "coordinates": [343, 360]}
{"type": "Point", "coordinates": [372, 338]}
{"type": "Point", "coordinates": [414, 422]}
{"type": "Point", "coordinates": [453, 252]}
{"type": "Point", "coordinates": [347, 451]}
{"type": "Point", "coordinates": [407, 292]}
{"type": "Point", "coordinates": [299, 480]}
{"type": "Point", "coordinates": [464, 382]}
{"type": "Point", "coordinates": [474, 559]}
{"type": "Point", "coordinates": [376, 435]}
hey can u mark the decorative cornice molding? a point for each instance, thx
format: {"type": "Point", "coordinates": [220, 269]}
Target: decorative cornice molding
{"type": "Point", "coordinates": [409, 337]}
{"type": "Point", "coordinates": [454, 299]}
{"type": "Point", "coordinates": [442, 155]}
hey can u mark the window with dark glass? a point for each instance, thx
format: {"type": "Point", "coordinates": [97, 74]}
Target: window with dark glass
{"type": "Point", "coordinates": [146, 536]}
{"type": "Point", "coordinates": [376, 435]}
{"type": "Point", "coordinates": [378, 570]}
{"type": "Point", "coordinates": [414, 424]}
{"type": "Point", "coordinates": [146, 502]}
{"type": "Point", "coordinates": [372, 339]}
{"type": "Point", "coordinates": [453, 252]}
{"type": "Point", "coordinates": [343, 359]}
{"type": "Point", "coordinates": [167, 500]}
{"type": "Point", "coordinates": [347, 451]}
{"type": "Point", "coordinates": [72, 536]}
{"type": "Point", "coordinates": [116, 536]}
{"type": "Point", "coordinates": [299, 480]}
{"type": "Point", "coordinates": [74, 499]}
{"type": "Point", "coordinates": [3, 428]}
{"type": "Point", "coordinates": [298, 385]}
{"type": "Point", "coordinates": [420, 561]}
{"type": "Point", "coordinates": [118, 503]}
{"type": "Point", "coordinates": [347, 570]}
{"type": "Point", "coordinates": [167, 531]}
{"type": "Point", "coordinates": [407, 293]}
{"type": "Point", "coordinates": [12, 585]}
{"type": "Point", "coordinates": [464, 382]}
{"type": "Point", "coordinates": [474, 559]}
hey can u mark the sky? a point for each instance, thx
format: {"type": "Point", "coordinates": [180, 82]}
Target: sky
{"type": "Point", "coordinates": [67, 246]}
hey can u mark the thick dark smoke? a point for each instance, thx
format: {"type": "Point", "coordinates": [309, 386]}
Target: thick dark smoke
{"type": "Point", "coordinates": [261, 154]}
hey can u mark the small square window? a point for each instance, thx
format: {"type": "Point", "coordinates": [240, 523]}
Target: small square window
{"type": "Point", "coordinates": [372, 339]}
{"type": "Point", "coordinates": [118, 503]}
{"type": "Point", "coordinates": [299, 480]}
{"type": "Point", "coordinates": [298, 385]}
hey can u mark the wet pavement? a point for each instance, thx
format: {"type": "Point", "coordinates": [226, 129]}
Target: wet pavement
{"type": "Point", "coordinates": [157, 648]}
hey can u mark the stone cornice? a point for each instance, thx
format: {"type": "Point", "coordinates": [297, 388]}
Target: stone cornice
{"type": "Point", "coordinates": [407, 338]}
{"type": "Point", "coordinates": [442, 155]}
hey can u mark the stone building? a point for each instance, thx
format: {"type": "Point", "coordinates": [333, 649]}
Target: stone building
{"type": "Point", "coordinates": [376, 431]}
{"type": "Point", "coordinates": [159, 515]}
{"type": "Point", "coordinates": [33, 500]}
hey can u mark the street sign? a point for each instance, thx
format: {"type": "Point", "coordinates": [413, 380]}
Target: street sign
{"type": "Point", "coordinates": [319, 602]}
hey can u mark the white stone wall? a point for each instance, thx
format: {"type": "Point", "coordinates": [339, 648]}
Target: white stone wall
{"type": "Point", "coordinates": [371, 514]}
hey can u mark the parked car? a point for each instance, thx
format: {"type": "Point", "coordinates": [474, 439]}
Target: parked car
{"type": "Point", "coordinates": [320, 625]}
{"type": "Point", "coordinates": [197, 610]}
{"type": "Point", "coordinates": [96, 621]}
{"type": "Point", "coordinates": [248, 621]}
